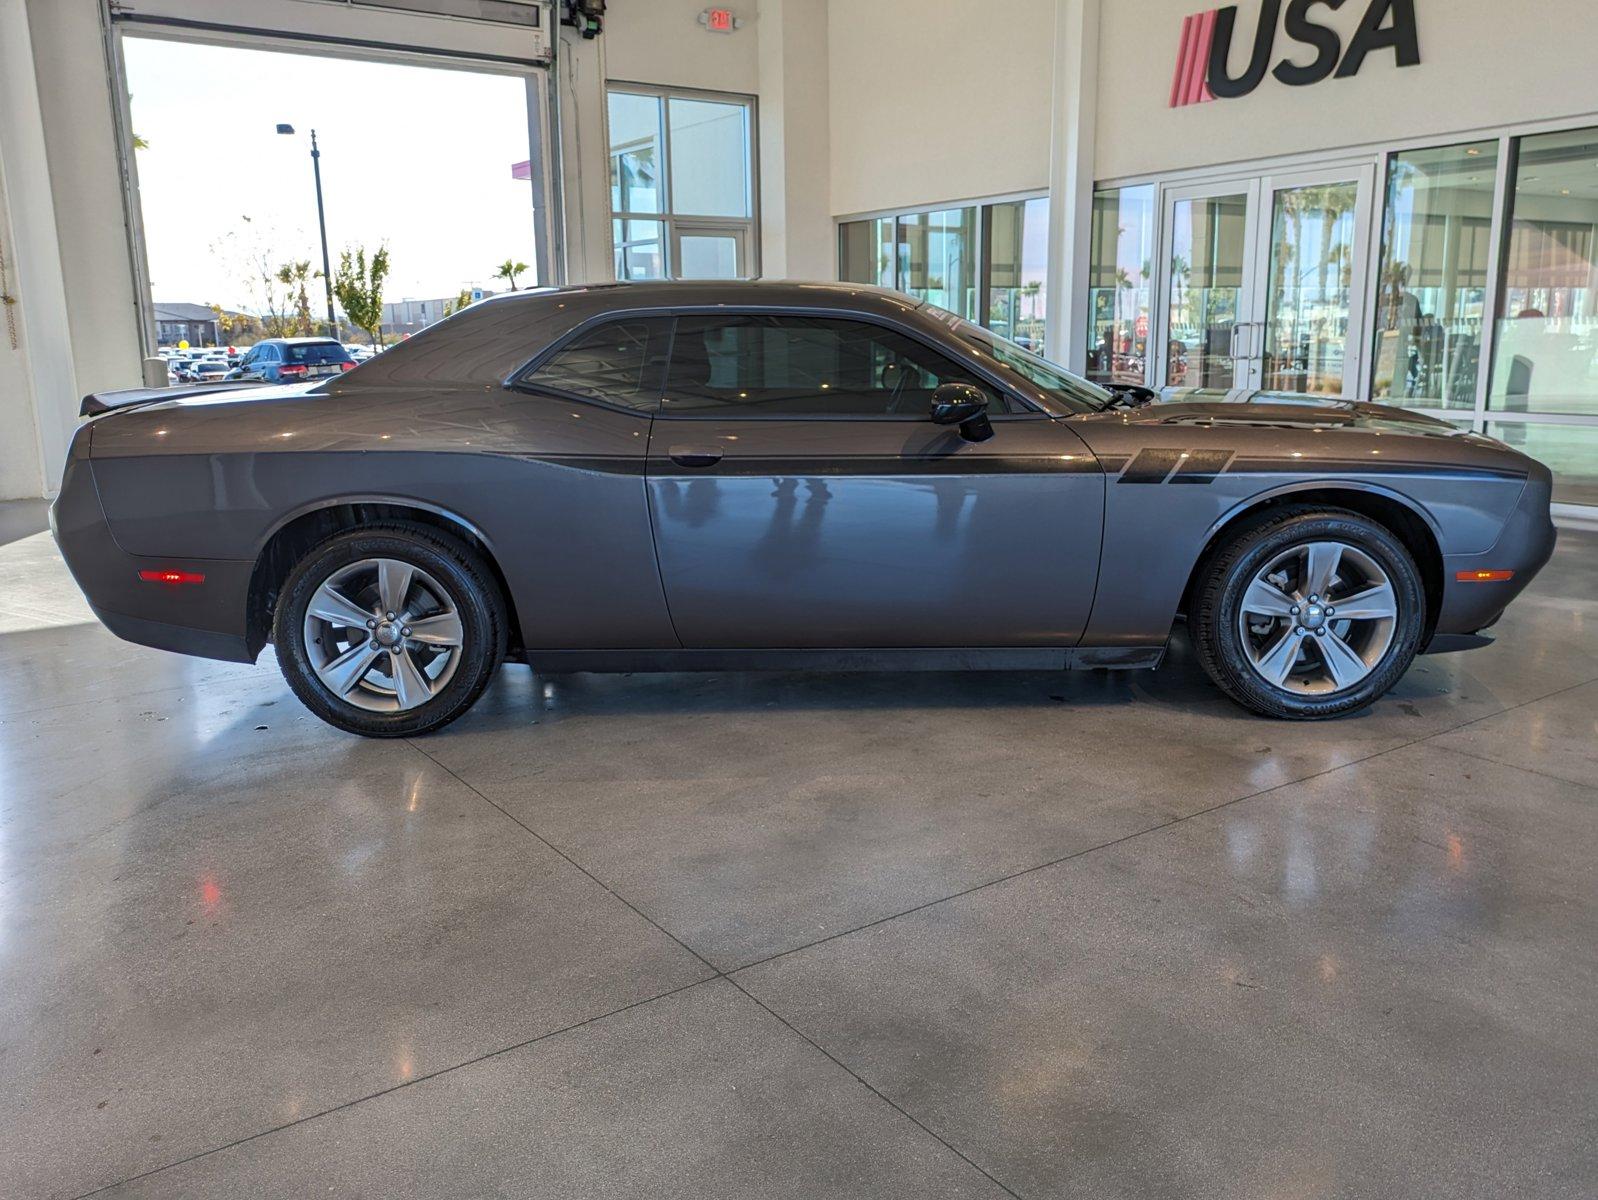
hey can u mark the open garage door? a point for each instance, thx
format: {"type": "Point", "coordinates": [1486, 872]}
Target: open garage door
{"type": "Point", "coordinates": [332, 168]}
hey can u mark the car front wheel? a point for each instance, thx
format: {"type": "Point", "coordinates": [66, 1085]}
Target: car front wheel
{"type": "Point", "coordinates": [391, 631]}
{"type": "Point", "coordinates": [1310, 613]}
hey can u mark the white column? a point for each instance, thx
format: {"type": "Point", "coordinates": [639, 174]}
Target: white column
{"type": "Point", "coordinates": [585, 158]}
{"type": "Point", "coordinates": [40, 287]}
{"type": "Point", "coordinates": [1075, 115]}
{"type": "Point", "coordinates": [796, 238]}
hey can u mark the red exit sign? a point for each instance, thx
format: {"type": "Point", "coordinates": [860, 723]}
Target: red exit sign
{"type": "Point", "coordinates": [719, 20]}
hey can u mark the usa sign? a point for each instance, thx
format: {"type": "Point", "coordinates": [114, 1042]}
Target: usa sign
{"type": "Point", "coordinates": [1203, 57]}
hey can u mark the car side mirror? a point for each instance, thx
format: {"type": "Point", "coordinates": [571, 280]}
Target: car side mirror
{"type": "Point", "coordinates": [965, 405]}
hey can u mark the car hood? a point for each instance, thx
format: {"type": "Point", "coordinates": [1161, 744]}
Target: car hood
{"type": "Point", "coordinates": [1276, 410]}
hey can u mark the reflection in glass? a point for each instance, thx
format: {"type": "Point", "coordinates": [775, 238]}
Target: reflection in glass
{"type": "Point", "coordinates": [635, 156]}
{"type": "Point", "coordinates": [640, 249]}
{"type": "Point", "coordinates": [1546, 355]}
{"type": "Point", "coordinates": [1017, 262]}
{"type": "Point", "coordinates": [709, 158]}
{"type": "Point", "coordinates": [1206, 282]}
{"type": "Point", "coordinates": [937, 260]}
{"type": "Point", "coordinates": [1437, 226]}
{"type": "Point", "coordinates": [1571, 452]}
{"type": "Point", "coordinates": [1310, 281]}
{"type": "Point", "coordinates": [866, 252]}
{"type": "Point", "coordinates": [1119, 298]}
{"type": "Point", "coordinates": [707, 256]}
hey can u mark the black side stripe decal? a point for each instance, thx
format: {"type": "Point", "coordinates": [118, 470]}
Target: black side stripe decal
{"type": "Point", "coordinates": [1151, 466]}
{"type": "Point", "coordinates": [1201, 466]}
{"type": "Point", "coordinates": [1206, 466]}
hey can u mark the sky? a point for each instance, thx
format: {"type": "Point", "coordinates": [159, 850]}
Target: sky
{"type": "Point", "coordinates": [417, 157]}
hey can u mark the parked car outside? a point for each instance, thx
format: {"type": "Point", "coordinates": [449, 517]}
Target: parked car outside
{"type": "Point", "coordinates": [208, 370]}
{"type": "Point", "coordinates": [291, 360]}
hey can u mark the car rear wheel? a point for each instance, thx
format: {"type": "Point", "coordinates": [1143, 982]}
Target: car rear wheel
{"type": "Point", "coordinates": [1310, 613]}
{"type": "Point", "coordinates": [391, 631]}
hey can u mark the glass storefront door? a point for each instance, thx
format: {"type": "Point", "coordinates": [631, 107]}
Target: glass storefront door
{"type": "Point", "coordinates": [1209, 271]}
{"type": "Point", "coordinates": [1264, 282]}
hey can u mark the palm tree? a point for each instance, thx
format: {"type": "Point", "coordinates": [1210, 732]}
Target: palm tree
{"type": "Point", "coordinates": [508, 270]}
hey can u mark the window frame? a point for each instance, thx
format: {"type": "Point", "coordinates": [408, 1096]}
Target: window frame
{"type": "Point", "coordinates": [980, 248]}
{"type": "Point", "coordinates": [521, 379]}
{"type": "Point", "coordinates": [1022, 407]}
{"type": "Point", "coordinates": [674, 224]}
{"type": "Point", "coordinates": [1007, 391]}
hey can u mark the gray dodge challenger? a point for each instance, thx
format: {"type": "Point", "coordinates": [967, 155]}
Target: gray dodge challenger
{"type": "Point", "coordinates": [778, 475]}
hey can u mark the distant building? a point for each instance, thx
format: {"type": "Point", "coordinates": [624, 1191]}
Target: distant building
{"type": "Point", "coordinates": [401, 317]}
{"type": "Point", "coordinates": [191, 323]}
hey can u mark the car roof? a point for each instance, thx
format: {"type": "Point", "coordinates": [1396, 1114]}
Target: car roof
{"type": "Point", "coordinates": [299, 341]}
{"type": "Point", "coordinates": [778, 293]}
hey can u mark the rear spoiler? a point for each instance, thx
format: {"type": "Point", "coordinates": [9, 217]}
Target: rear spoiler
{"type": "Point", "coordinates": [98, 403]}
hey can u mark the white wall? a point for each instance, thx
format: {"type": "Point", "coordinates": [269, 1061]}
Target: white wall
{"type": "Point", "coordinates": [662, 42]}
{"type": "Point", "coordinates": [937, 100]}
{"type": "Point", "coordinates": [80, 139]}
{"type": "Point", "coordinates": [1483, 63]}
{"type": "Point", "coordinates": [19, 435]}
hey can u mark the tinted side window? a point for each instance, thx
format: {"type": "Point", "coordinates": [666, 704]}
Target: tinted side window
{"type": "Point", "coordinates": [315, 352]}
{"type": "Point", "coordinates": [805, 367]}
{"type": "Point", "coordinates": [618, 362]}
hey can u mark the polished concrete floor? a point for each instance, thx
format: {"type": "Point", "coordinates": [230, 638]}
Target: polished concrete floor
{"type": "Point", "coordinates": [797, 936]}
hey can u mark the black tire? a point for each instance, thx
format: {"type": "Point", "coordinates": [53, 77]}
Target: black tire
{"type": "Point", "coordinates": [454, 567]}
{"type": "Point", "coordinates": [1214, 614]}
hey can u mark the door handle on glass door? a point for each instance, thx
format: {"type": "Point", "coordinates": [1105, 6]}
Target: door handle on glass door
{"type": "Point", "coordinates": [695, 456]}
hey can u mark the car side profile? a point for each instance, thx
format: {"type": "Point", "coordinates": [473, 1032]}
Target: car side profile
{"type": "Point", "coordinates": [770, 475]}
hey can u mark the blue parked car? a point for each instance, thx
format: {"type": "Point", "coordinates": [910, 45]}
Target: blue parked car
{"type": "Point", "coordinates": [290, 360]}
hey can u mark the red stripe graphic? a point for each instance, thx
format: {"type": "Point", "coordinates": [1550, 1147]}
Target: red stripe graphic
{"type": "Point", "coordinates": [1181, 63]}
{"type": "Point", "coordinates": [1190, 84]}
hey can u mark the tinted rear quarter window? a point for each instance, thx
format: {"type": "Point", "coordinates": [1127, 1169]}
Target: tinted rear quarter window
{"type": "Point", "coordinates": [618, 362]}
{"type": "Point", "coordinates": [793, 366]}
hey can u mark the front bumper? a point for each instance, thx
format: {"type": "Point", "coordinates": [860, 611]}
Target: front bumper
{"type": "Point", "coordinates": [1524, 546]}
{"type": "Point", "coordinates": [205, 619]}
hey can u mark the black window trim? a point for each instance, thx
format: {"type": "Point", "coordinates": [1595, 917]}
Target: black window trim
{"type": "Point", "coordinates": [520, 379]}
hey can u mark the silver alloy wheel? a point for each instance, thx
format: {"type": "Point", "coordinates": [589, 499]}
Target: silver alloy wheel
{"type": "Point", "coordinates": [1318, 618]}
{"type": "Point", "coordinates": [382, 634]}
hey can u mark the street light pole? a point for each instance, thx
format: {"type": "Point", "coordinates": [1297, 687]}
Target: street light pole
{"type": "Point", "coordinates": [321, 220]}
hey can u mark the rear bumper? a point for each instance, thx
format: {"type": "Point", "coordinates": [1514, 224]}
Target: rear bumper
{"type": "Point", "coordinates": [205, 619]}
{"type": "Point", "coordinates": [1524, 546]}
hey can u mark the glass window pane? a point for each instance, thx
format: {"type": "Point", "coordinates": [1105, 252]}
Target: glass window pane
{"type": "Point", "coordinates": [1571, 452]}
{"type": "Point", "coordinates": [617, 362]}
{"type": "Point", "coordinates": [640, 249]}
{"type": "Point", "coordinates": [937, 259]}
{"type": "Point", "coordinates": [709, 158]}
{"type": "Point", "coordinates": [1120, 279]}
{"type": "Point", "coordinates": [1017, 259]}
{"type": "Point", "coordinates": [635, 158]}
{"type": "Point", "coordinates": [1435, 233]}
{"type": "Point", "coordinates": [866, 251]}
{"type": "Point", "coordinates": [1546, 356]}
{"type": "Point", "coordinates": [805, 367]}
{"type": "Point", "coordinates": [707, 256]}
{"type": "Point", "coordinates": [1308, 288]}
{"type": "Point", "coordinates": [1206, 282]}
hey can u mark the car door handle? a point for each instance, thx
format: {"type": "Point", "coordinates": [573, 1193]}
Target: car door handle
{"type": "Point", "coordinates": [695, 456]}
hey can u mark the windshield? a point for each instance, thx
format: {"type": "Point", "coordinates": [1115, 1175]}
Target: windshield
{"type": "Point", "coordinates": [1075, 393]}
{"type": "Point", "coordinates": [314, 352]}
